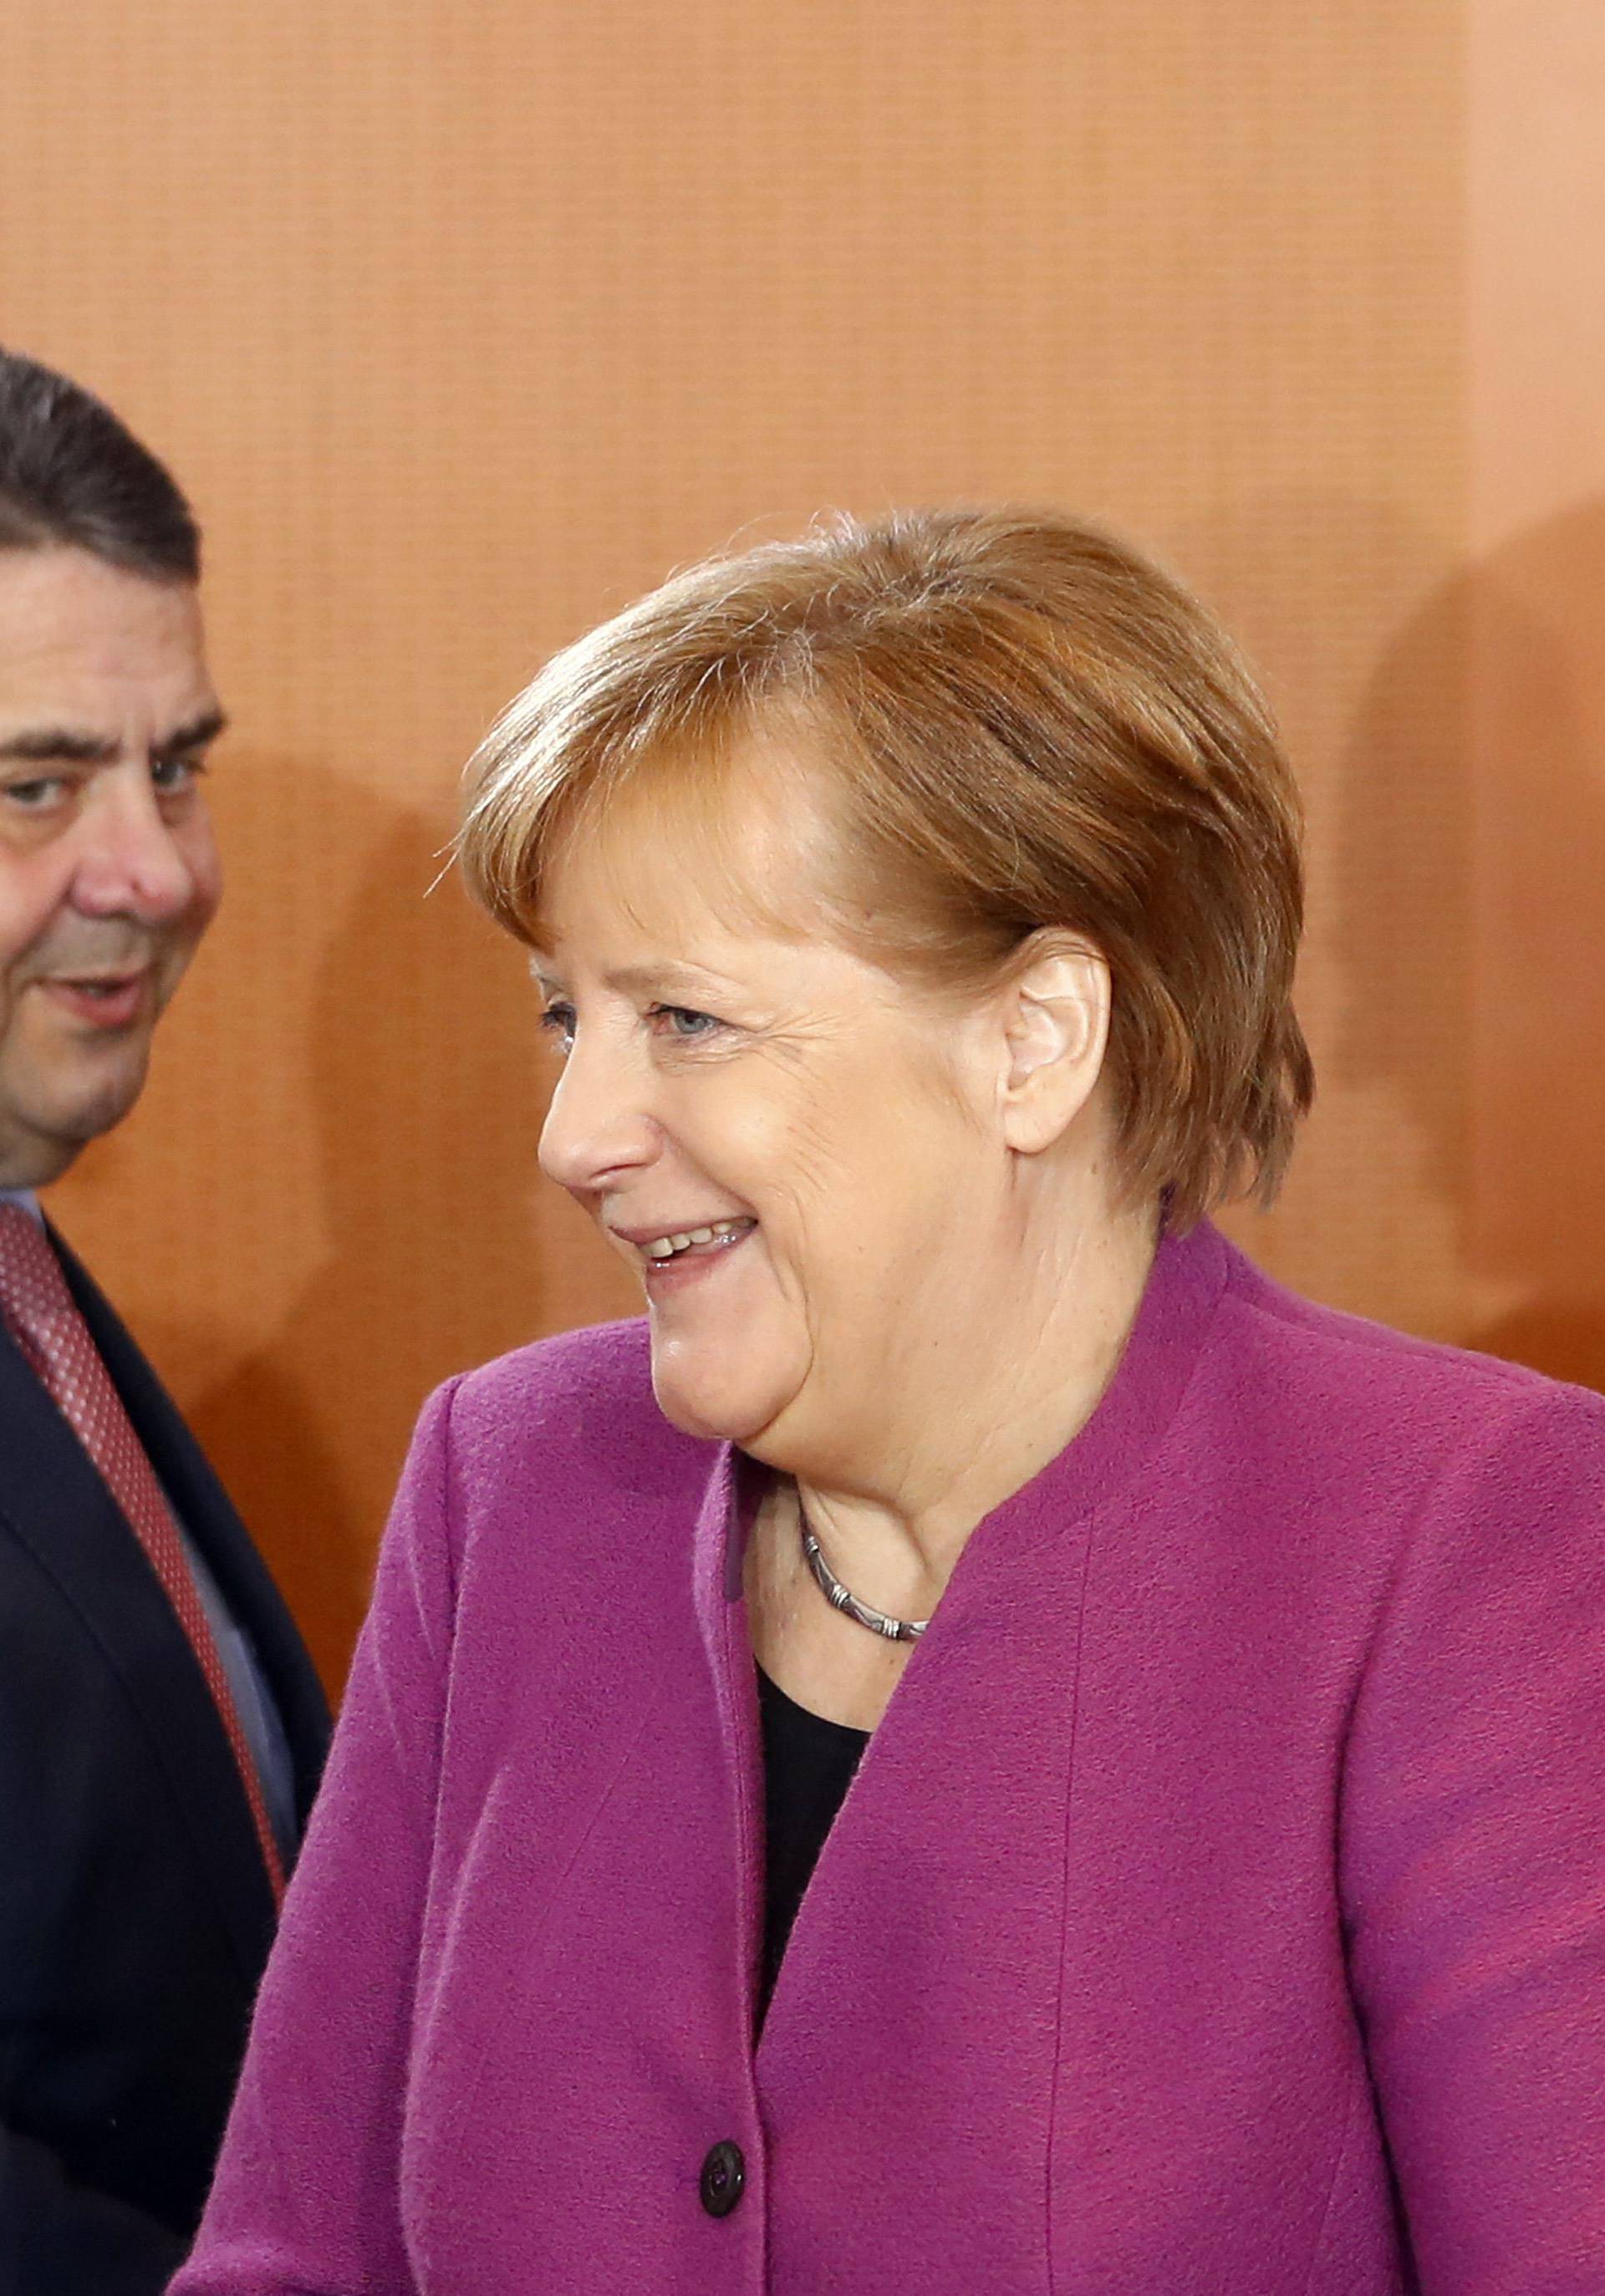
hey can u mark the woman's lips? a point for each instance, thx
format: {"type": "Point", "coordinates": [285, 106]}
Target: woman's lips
{"type": "Point", "coordinates": [114, 1002]}
{"type": "Point", "coordinates": [693, 1262]}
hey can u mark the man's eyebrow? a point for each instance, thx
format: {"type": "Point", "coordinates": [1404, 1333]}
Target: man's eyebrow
{"type": "Point", "coordinates": [58, 745]}
{"type": "Point", "coordinates": [62, 745]}
{"type": "Point", "coordinates": [194, 735]}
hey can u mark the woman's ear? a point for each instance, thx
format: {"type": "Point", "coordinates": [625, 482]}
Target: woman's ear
{"type": "Point", "coordinates": [1056, 1031]}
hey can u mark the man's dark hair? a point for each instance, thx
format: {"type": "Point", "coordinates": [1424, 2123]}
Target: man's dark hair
{"type": "Point", "coordinates": [72, 475]}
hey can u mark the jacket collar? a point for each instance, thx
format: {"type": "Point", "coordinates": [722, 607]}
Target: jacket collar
{"type": "Point", "coordinates": [988, 1606]}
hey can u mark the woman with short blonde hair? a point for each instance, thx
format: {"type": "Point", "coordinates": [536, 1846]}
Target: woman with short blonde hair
{"type": "Point", "coordinates": [944, 672]}
{"type": "Point", "coordinates": [983, 1746]}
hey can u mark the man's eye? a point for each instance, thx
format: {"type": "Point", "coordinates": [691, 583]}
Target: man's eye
{"type": "Point", "coordinates": [36, 796]}
{"type": "Point", "coordinates": [558, 1020]}
{"type": "Point", "coordinates": [172, 775]}
{"type": "Point", "coordinates": [684, 1022]}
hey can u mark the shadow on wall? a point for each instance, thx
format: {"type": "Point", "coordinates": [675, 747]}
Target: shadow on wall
{"type": "Point", "coordinates": [426, 1102]}
{"type": "Point", "coordinates": [1471, 881]}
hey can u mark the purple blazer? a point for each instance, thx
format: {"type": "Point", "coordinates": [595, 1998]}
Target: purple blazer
{"type": "Point", "coordinates": [1218, 1909]}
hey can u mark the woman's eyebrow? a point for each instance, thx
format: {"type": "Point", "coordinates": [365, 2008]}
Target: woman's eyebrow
{"type": "Point", "coordinates": [639, 979]}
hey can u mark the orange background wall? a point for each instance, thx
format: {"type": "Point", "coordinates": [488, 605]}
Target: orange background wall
{"type": "Point", "coordinates": [462, 324]}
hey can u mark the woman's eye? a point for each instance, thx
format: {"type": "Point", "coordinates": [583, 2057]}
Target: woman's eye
{"type": "Point", "coordinates": [558, 1022]}
{"type": "Point", "coordinates": [684, 1023]}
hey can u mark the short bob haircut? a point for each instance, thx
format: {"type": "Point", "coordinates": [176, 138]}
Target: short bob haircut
{"type": "Point", "coordinates": [1016, 722]}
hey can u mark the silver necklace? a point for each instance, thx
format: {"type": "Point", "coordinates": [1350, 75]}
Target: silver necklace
{"type": "Point", "coordinates": [864, 1614]}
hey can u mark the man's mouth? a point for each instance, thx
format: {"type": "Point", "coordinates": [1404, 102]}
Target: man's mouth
{"type": "Point", "coordinates": [107, 1000]}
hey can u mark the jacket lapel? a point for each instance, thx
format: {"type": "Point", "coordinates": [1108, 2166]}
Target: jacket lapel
{"type": "Point", "coordinates": [54, 1503]}
{"type": "Point", "coordinates": [722, 1526]}
{"type": "Point", "coordinates": [207, 1515]}
{"type": "Point", "coordinates": [917, 2019]}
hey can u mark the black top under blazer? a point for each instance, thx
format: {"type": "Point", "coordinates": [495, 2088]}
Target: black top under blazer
{"type": "Point", "coordinates": [135, 1910]}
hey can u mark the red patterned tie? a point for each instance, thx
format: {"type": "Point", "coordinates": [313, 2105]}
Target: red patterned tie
{"type": "Point", "coordinates": [40, 1310]}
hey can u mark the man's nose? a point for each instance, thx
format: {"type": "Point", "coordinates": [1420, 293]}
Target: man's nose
{"type": "Point", "coordinates": [598, 1124]}
{"type": "Point", "coordinates": [131, 863]}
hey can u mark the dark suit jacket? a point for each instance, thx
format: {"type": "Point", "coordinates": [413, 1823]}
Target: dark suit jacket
{"type": "Point", "coordinates": [135, 1912]}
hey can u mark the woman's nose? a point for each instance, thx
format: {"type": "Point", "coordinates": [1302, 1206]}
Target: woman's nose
{"type": "Point", "coordinates": [597, 1124]}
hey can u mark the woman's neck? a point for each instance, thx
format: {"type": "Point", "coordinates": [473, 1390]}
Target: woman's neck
{"type": "Point", "coordinates": [1005, 1396]}
{"type": "Point", "coordinates": [893, 1506]}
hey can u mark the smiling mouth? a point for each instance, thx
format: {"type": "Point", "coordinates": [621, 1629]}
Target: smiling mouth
{"type": "Point", "coordinates": [717, 1236]}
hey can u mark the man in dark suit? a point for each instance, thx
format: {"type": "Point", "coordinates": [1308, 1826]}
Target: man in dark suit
{"type": "Point", "coordinates": [160, 1724]}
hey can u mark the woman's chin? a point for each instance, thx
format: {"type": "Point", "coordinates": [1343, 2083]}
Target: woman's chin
{"type": "Point", "coordinates": [721, 1401]}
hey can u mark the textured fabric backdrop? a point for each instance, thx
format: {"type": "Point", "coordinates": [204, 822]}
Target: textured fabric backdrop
{"type": "Point", "coordinates": [463, 323]}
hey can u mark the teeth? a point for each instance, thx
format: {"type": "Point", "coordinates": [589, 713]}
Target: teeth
{"type": "Point", "coordinates": [664, 1246]}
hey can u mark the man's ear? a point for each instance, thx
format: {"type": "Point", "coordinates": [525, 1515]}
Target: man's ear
{"type": "Point", "coordinates": [1056, 1032]}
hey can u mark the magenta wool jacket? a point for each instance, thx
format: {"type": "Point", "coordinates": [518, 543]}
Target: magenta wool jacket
{"type": "Point", "coordinates": [1218, 1911]}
